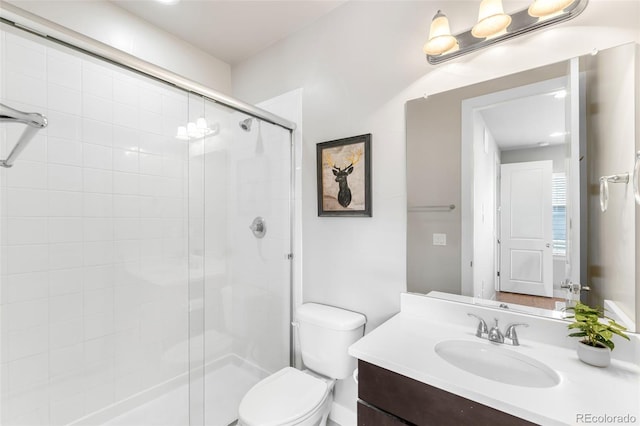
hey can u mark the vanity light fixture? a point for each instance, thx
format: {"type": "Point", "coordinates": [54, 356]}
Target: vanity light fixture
{"type": "Point", "coordinates": [494, 26]}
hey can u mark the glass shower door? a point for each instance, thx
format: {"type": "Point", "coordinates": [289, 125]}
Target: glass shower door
{"type": "Point", "coordinates": [93, 243]}
{"type": "Point", "coordinates": [240, 241]}
{"type": "Point", "coordinates": [132, 290]}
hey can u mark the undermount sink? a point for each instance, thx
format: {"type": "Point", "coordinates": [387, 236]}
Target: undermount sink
{"type": "Point", "coordinates": [497, 363]}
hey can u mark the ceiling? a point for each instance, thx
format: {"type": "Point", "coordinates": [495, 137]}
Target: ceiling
{"type": "Point", "coordinates": [230, 30]}
{"type": "Point", "coordinates": [527, 121]}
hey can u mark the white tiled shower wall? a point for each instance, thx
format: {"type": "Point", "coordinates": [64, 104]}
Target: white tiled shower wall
{"type": "Point", "coordinates": [94, 303]}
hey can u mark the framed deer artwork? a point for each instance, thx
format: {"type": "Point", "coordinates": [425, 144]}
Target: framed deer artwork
{"type": "Point", "coordinates": [344, 177]}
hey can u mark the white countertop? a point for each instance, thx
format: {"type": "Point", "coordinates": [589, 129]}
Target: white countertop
{"type": "Point", "coordinates": [405, 344]}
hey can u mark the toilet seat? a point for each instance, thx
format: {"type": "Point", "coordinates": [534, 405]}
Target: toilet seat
{"type": "Point", "coordinates": [286, 397]}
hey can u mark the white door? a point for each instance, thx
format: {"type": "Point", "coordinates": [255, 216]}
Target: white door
{"type": "Point", "coordinates": [527, 239]}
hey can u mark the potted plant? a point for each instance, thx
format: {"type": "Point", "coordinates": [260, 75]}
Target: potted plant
{"type": "Point", "coordinates": [597, 331]}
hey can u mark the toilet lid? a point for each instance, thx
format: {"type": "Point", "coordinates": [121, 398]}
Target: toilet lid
{"type": "Point", "coordinates": [281, 398]}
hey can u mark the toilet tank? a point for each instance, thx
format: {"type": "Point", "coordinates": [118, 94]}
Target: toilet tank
{"type": "Point", "coordinates": [326, 332]}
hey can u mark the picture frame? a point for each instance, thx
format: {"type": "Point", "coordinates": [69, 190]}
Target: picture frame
{"type": "Point", "coordinates": [344, 176]}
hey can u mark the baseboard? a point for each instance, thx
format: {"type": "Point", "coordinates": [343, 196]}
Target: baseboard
{"type": "Point", "coordinates": [343, 415]}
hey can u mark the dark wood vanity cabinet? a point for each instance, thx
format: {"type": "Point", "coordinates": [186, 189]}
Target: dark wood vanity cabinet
{"type": "Point", "coordinates": [386, 398]}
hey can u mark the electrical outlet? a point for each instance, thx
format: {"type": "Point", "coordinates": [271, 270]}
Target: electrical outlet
{"type": "Point", "coordinates": [439, 239]}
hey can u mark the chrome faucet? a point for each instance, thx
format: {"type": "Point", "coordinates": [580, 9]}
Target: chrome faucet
{"type": "Point", "coordinates": [494, 334]}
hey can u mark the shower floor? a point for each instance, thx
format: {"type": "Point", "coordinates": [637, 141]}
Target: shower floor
{"type": "Point", "coordinates": [224, 388]}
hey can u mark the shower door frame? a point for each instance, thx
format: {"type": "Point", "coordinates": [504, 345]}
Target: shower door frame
{"type": "Point", "coordinates": [26, 21]}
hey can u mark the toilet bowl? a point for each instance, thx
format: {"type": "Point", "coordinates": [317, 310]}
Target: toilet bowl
{"type": "Point", "coordinates": [286, 398]}
{"type": "Point", "coordinates": [303, 398]}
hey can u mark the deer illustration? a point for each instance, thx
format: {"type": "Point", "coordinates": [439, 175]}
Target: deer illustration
{"type": "Point", "coordinates": [344, 194]}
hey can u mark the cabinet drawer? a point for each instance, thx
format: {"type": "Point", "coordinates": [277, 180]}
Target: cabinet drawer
{"type": "Point", "coordinates": [424, 405]}
{"type": "Point", "coordinates": [371, 416]}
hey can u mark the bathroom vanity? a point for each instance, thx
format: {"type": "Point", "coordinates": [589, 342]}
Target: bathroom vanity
{"type": "Point", "coordinates": [425, 366]}
{"type": "Point", "coordinates": [389, 398]}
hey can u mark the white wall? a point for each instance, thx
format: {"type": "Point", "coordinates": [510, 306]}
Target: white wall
{"type": "Point", "coordinates": [108, 23]}
{"type": "Point", "coordinates": [358, 66]}
{"type": "Point", "coordinates": [555, 153]}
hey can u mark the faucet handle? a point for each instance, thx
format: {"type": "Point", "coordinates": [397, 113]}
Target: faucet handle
{"type": "Point", "coordinates": [482, 326]}
{"type": "Point", "coordinates": [511, 332]}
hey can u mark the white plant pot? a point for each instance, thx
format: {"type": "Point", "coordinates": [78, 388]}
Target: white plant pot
{"type": "Point", "coordinates": [596, 356]}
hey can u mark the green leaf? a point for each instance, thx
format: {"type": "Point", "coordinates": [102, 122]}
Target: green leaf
{"type": "Point", "coordinates": [606, 342]}
{"type": "Point", "coordinates": [621, 334]}
{"type": "Point", "coordinates": [606, 334]}
{"type": "Point", "coordinates": [616, 326]}
{"type": "Point", "coordinates": [594, 326]}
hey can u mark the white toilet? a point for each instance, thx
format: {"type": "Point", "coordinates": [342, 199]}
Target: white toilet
{"type": "Point", "coordinates": [304, 398]}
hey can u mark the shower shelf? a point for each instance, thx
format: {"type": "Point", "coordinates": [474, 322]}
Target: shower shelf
{"type": "Point", "coordinates": [34, 122]}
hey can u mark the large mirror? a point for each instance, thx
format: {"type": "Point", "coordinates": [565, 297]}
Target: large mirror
{"type": "Point", "coordinates": [505, 204]}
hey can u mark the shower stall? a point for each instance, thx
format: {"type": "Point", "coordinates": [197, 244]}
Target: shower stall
{"type": "Point", "coordinates": [145, 241]}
